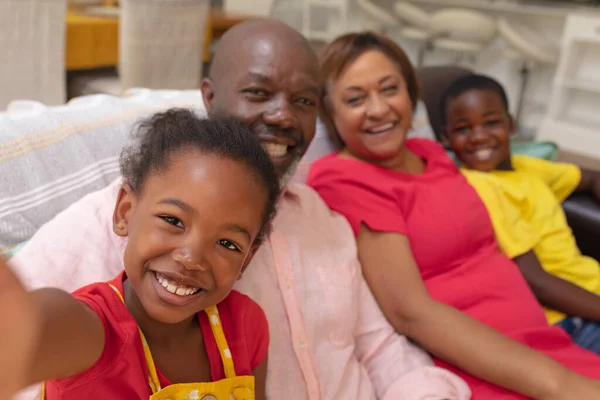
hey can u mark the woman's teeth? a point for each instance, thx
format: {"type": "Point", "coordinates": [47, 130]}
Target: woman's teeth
{"type": "Point", "coordinates": [172, 287]}
{"type": "Point", "coordinates": [381, 128]}
{"type": "Point", "coordinates": [275, 149]}
{"type": "Point", "coordinates": [483, 154]}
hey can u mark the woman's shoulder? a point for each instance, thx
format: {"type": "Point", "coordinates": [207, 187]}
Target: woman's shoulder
{"type": "Point", "coordinates": [426, 147]}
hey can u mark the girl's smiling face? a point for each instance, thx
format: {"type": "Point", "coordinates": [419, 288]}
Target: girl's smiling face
{"type": "Point", "coordinates": [192, 230]}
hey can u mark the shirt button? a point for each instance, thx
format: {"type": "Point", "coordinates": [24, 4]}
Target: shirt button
{"type": "Point", "coordinates": [302, 345]}
{"type": "Point", "coordinates": [288, 284]}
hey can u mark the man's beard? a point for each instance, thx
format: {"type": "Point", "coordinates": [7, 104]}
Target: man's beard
{"type": "Point", "coordinates": [289, 173]}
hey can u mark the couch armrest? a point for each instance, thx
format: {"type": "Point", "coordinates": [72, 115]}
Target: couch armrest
{"type": "Point", "coordinates": [583, 216]}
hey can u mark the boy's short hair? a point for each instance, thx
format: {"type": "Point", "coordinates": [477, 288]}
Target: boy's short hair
{"type": "Point", "coordinates": [471, 82]}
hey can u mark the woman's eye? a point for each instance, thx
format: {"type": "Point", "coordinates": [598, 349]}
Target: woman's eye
{"type": "Point", "coordinates": [390, 89]}
{"type": "Point", "coordinates": [353, 101]}
{"type": "Point", "coordinates": [228, 245]}
{"type": "Point", "coordinates": [172, 221]}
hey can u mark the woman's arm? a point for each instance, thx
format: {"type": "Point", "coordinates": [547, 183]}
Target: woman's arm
{"type": "Point", "coordinates": [46, 334]}
{"type": "Point", "coordinates": [394, 278]}
{"type": "Point", "coordinates": [590, 181]}
{"type": "Point", "coordinates": [260, 380]}
{"type": "Point", "coordinates": [557, 293]}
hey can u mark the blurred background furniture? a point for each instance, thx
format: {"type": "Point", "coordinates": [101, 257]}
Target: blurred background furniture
{"type": "Point", "coordinates": [531, 49]}
{"type": "Point", "coordinates": [417, 27]}
{"type": "Point", "coordinates": [150, 33]}
{"type": "Point", "coordinates": [324, 20]}
{"type": "Point", "coordinates": [32, 40]}
{"type": "Point", "coordinates": [464, 32]}
{"type": "Point", "coordinates": [258, 8]}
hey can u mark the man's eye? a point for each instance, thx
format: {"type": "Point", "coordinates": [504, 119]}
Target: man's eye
{"type": "Point", "coordinates": [306, 101]}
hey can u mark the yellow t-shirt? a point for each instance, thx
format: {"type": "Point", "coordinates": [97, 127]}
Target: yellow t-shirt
{"type": "Point", "coordinates": [524, 206]}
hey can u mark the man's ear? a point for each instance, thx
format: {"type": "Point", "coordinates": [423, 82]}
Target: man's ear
{"type": "Point", "coordinates": [123, 208]}
{"type": "Point", "coordinates": [208, 94]}
{"type": "Point", "coordinates": [249, 258]}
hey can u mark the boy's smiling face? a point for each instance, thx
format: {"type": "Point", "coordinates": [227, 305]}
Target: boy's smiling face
{"type": "Point", "coordinates": [478, 127]}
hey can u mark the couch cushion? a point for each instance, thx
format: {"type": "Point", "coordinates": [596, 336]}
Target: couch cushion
{"type": "Point", "coordinates": [52, 156]}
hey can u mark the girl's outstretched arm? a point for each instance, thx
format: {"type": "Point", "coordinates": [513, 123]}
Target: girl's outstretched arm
{"type": "Point", "coordinates": [260, 380]}
{"type": "Point", "coordinates": [46, 334]}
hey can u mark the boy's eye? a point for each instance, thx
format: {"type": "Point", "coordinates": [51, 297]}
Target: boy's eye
{"type": "Point", "coordinates": [228, 245]}
{"type": "Point", "coordinates": [172, 221]}
{"type": "Point", "coordinates": [493, 123]}
{"type": "Point", "coordinates": [461, 129]}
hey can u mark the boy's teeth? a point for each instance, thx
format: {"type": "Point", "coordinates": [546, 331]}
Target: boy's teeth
{"type": "Point", "coordinates": [483, 154]}
{"type": "Point", "coordinates": [275, 149]}
{"type": "Point", "coordinates": [172, 287]}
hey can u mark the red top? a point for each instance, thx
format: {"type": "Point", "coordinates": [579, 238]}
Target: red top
{"type": "Point", "coordinates": [122, 372]}
{"type": "Point", "coordinates": [453, 243]}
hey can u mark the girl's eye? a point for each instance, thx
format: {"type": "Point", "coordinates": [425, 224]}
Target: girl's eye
{"type": "Point", "coordinates": [172, 221]}
{"type": "Point", "coordinates": [228, 245]}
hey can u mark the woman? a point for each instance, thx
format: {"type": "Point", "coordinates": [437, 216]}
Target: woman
{"type": "Point", "coordinates": [425, 240]}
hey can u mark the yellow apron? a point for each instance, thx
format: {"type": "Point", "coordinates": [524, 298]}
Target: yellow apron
{"type": "Point", "coordinates": [232, 388]}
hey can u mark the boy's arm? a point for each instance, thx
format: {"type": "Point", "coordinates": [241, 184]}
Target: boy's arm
{"type": "Point", "coordinates": [590, 181]}
{"type": "Point", "coordinates": [46, 334]}
{"type": "Point", "coordinates": [556, 293]}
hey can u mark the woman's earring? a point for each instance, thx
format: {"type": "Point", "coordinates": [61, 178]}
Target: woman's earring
{"type": "Point", "coordinates": [121, 227]}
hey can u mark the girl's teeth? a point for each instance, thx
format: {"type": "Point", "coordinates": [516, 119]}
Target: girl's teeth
{"type": "Point", "coordinates": [172, 287]}
{"type": "Point", "coordinates": [275, 149]}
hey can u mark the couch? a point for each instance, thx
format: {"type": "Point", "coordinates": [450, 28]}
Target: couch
{"type": "Point", "coordinates": [52, 156]}
{"type": "Point", "coordinates": [581, 209]}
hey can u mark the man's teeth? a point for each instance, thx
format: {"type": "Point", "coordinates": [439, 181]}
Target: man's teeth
{"type": "Point", "coordinates": [381, 128]}
{"type": "Point", "coordinates": [275, 149]}
{"type": "Point", "coordinates": [172, 287]}
{"type": "Point", "coordinates": [483, 154]}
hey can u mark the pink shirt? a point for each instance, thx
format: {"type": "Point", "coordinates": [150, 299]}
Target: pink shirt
{"type": "Point", "coordinates": [329, 339]}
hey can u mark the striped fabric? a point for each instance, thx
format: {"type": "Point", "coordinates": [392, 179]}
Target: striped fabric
{"type": "Point", "coordinates": [52, 156]}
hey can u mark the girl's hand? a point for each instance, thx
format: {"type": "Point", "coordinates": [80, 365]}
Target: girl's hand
{"type": "Point", "coordinates": [18, 334]}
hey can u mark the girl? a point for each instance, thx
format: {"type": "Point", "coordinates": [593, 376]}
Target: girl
{"type": "Point", "coordinates": [197, 198]}
{"type": "Point", "coordinates": [425, 241]}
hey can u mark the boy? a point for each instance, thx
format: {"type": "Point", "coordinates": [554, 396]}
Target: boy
{"type": "Point", "coordinates": [523, 196]}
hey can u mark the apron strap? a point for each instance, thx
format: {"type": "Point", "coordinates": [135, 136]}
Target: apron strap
{"type": "Point", "coordinates": [152, 374]}
{"type": "Point", "coordinates": [217, 329]}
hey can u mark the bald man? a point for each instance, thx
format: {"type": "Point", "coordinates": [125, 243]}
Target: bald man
{"type": "Point", "coordinates": [329, 340]}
